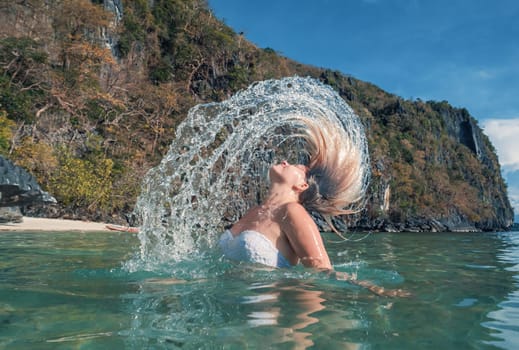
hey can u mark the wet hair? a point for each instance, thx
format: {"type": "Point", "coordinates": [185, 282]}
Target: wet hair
{"type": "Point", "coordinates": [338, 167]}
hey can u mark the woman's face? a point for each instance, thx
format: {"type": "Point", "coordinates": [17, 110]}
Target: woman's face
{"type": "Point", "coordinates": [292, 174]}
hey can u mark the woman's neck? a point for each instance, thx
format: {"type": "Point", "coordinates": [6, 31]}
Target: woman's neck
{"type": "Point", "coordinates": [279, 195]}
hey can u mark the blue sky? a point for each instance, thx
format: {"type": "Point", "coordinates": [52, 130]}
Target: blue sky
{"type": "Point", "coordinates": [463, 51]}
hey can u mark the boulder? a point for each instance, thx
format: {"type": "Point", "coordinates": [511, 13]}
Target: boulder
{"type": "Point", "coordinates": [10, 214]}
{"type": "Point", "coordinates": [18, 188]}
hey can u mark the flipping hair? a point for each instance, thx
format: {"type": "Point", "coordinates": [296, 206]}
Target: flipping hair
{"type": "Point", "coordinates": [338, 165]}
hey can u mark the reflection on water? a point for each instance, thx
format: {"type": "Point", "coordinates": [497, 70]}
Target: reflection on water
{"type": "Point", "coordinates": [69, 290]}
{"type": "Point", "coordinates": [268, 306]}
{"type": "Point", "coordinates": [294, 308]}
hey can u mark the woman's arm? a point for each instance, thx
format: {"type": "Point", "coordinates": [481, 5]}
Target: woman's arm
{"type": "Point", "coordinates": [373, 288]}
{"type": "Point", "coordinates": [306, 240]}
{"type": "Point", "coordinates": [304, 237]}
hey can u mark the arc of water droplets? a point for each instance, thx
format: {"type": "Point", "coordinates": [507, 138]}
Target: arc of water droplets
{"type": "Point", "coordinates": [217, 164]}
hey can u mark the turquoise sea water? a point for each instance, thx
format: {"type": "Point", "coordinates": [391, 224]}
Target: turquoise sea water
{"type": "Point", "coordinates": [86, 291]}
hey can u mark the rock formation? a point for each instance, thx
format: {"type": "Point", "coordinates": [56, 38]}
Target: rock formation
{"type": "Point", "coordinates": [18, 188]}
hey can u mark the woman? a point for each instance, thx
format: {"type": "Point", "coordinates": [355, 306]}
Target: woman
{"type": "Point", "coordinates": [280, 231]}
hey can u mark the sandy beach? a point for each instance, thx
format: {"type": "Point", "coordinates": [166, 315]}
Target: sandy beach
{"type": "Point", "coordinates": [42, 224]}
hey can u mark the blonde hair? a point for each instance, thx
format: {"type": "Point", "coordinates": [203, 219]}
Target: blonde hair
{"type": "Point", "coordinates": [338, 173]}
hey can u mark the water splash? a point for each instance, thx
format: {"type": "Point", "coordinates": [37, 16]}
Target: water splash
{"type": "Point", "coordinates": [217, 165]}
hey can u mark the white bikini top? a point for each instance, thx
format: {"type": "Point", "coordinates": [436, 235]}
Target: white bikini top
{"type": "Point", "coordinates": [251, 246]}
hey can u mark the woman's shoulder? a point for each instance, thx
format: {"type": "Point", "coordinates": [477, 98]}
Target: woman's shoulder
{"type": "Point", "coordinates": [294, 207]}
{"type": "Point", "coordinates": [295, 211]}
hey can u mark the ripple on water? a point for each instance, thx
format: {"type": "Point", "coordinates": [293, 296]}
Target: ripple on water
{"type": "Point", "coordinates": [480, 267]}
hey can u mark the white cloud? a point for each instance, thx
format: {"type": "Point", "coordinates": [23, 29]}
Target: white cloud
{"type": "Point", "coordinates": [513, 196]}
{"type": "Point", "coordinates": [484, 74]}
{"type": "Point", "coordinates": [504, 134]}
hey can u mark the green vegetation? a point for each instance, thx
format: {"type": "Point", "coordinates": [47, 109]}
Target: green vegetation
{"type": "Point", "coordinates": [89, 123]}
{"type": "Point", "coordinates": [6, 132]}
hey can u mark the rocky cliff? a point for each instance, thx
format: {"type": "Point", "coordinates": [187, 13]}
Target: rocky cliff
{"type": "Point", "coordinates": [91, 93]}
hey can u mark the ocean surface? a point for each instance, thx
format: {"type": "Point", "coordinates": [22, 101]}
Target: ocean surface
{"type": "Point", "coordinates": [89, 291]}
